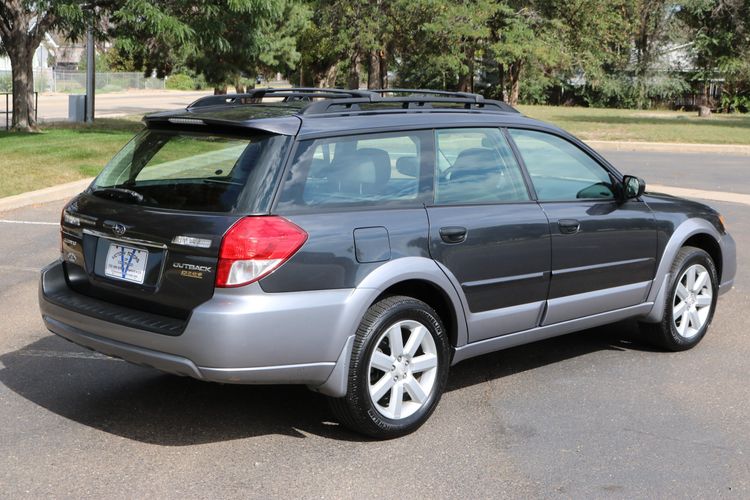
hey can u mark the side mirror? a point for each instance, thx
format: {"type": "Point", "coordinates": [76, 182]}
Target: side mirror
{"type": "Point", "coordinates": [633, 187]}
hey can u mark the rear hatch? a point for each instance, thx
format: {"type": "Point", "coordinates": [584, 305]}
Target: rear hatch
{"type": "Point", "coordinates": [146, 235]}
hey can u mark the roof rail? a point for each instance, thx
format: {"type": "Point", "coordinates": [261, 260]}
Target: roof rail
{"type": "Point", "coordinates": [465, 95]}
{"type": "Point", "coordinates": [413, 103]}
{"type": "Point", "coordinates": [254, 96]}
{"type": "Point", "coordinates": [343, 100]}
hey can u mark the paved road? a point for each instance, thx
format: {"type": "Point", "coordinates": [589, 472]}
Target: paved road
{"type": "Point", "coordinates": [705, 171]}
{"type": "Point", "coordinates": [55, 106]}
{"type": "Point", "coordinates": [593, 414]}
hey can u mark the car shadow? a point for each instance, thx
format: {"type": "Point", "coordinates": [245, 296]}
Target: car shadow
{"type": "Point", "coordinates": [147, 406]}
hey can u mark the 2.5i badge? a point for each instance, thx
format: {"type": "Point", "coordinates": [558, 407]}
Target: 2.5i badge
{"type": "Point", "coordinates": [126, 263]}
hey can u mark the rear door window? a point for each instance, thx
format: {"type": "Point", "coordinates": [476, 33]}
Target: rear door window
{"type": "Point", "coordinates": [198, 172]}
{"type": "Point", "coordinates": [476, 165]}
{"type": "Point", "coordinates": [362, 169]}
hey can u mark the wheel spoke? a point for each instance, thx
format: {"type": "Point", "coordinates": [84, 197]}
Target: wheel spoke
{"type": "Point", "coordinates": [679, 309]}
{"type": "Point", "coordinates": [381, 361]}
{"type": "Point", "coordinates": [703, 300]}
{"type": "Point", "coordinates": [695, 320]}
{"type": "Point", "coordinates": [382, 386]}
{"type": "Point", "coordinates": [395, 341]}
{"type": "Point", "coordinates": [683, 323]}
{"type": "Point", "coordinates": [423, 363]}
{"type": "Point", "coordinates": [414, 340]}
{"type": "Point", "coordinates": [397, 400]}
{"type": "Point", "coordinates": [682, 292]}
{"type": "Point", "coordinates": [415, 390]}
{"type": "Point", "coordinates": [700, 282]}
{"type": "Point", "coordinates": [690, 278]}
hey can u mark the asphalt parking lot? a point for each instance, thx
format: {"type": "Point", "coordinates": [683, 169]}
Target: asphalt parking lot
{"type": "Point", "coordinates": [598, 413]}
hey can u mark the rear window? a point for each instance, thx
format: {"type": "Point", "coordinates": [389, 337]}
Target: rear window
{"type": "Point", "coordinates": [361, 170]}
{"type": "Point", "coordinates": [197, 172]}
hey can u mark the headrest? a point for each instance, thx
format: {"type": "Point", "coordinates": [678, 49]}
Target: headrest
{"type": "Point", "coordinates": [408, 166]}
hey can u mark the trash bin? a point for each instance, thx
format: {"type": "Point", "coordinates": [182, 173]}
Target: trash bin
{"type": "Point", "coordinates": [77, 108]}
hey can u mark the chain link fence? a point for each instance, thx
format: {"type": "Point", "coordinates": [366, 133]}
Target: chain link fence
{"type": "Point", "coordinates": [74, 82]}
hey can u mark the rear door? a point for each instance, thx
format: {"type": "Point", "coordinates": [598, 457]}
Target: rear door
{"type": "Point", "coordinates": [603, 249]}
{"type": "Point", "coordinates": [146, 235]}
{"type": "Point", "coordinates": [487, 232]}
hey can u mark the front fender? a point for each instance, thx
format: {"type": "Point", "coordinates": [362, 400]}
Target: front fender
{"type": "Point", "coordinates": [683, 232]}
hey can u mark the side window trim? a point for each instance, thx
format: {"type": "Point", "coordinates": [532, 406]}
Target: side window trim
{"type": "Point", "coordinates": [522, 164]}
{"type": "Point", "coordinates": [614, 175]}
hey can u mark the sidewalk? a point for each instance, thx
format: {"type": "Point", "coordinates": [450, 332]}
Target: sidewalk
{"type": "Point", "coordinates": [670, 147]}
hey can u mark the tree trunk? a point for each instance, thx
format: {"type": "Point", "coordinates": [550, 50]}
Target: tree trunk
{"type": "Point", "coordinates": [239, 88]}
{"type": "Point", "coordinates": [383, 68]}
{"type": "Point", "coordinates": [514, 75]}
{"type": "Point", "coordinates": [373, 70]}
{"type": "Point", "coordinates": [354, 77]}
{"type": "Point", "coordinates": [220, 90]}
{"type": "Point", "coordinates": [501, 81]}
{"type": "Point", "coordinates": [705, 108]}
{"type": "Point", "coordinates": [22, 70]}
{"type": "Point", "coordinates": [466, 78]}
{"type": "Point", "coordinates": [329, 78]}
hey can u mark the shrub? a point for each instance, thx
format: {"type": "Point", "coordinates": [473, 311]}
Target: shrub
{"type": "Point", "coordinates": [180, 82]}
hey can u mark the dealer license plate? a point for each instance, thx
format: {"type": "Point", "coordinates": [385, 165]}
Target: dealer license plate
{"type": "Point", "coordinates": [126, 263]}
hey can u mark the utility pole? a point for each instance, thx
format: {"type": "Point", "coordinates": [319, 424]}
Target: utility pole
{"type": "Point", "coordinates": [90, 72]}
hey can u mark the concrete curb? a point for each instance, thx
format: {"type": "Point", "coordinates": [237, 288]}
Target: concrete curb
{"type": "Point", "coordinates": [671, 147]}
{"type": "Point", "coordinates": [54, 193]}
{"type": "Point", "coordinates": [741, 198]}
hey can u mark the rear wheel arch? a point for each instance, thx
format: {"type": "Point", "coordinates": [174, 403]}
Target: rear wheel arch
{"type": "Point", "coordinates": [432, 295]}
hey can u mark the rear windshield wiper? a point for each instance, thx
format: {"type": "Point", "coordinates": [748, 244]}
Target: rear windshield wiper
{"type": "Point", "coordinates": [120, 194]}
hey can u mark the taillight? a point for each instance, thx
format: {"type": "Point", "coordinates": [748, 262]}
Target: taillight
{"type": "Point", "coordinates": [255, 246]}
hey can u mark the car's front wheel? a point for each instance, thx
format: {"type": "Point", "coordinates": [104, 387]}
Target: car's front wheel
{"type": "Point", "coordinates": [691, 303]}
{"type": "Point", "coordinates": [398, 370]}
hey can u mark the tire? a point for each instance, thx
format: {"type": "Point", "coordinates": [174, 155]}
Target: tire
{"type": "Point", "coordinates": [379, 370]}
{"type": "Point", "coordinates": [690, 305]}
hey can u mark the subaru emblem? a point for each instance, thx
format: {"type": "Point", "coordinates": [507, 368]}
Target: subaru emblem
{"type": "Point", "coordinates": [119, 229]}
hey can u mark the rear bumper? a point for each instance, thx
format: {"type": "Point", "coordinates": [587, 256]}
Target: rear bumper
{"type": "Point", "coordinates": [241, 335]}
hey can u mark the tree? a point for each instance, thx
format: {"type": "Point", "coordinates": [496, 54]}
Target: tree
{"type": "Point", "coordinates": [522, 39]}
{"type": "Point", "coordinates": [23, 24]}
{"type": "Point", "coordinates": [443, 41]}
{"type": "Point", "coordinates": [720, 30]}
{"type": "Point", "coordinates": [223, 41]}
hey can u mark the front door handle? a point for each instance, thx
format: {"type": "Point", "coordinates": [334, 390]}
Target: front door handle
{"type": "Point", "coordinates": [453, 234]}
{"type": "Point", "coordinates": [569, 226]}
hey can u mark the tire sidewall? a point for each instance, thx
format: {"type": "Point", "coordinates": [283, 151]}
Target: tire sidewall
{"type": "Point", "coordinates": [410, 309]}
{"type": "Point", "coordinates": [695, 256]}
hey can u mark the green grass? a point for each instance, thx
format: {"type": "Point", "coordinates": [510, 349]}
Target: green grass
{"type": "Point", "coordinates": [649, 126]}
{"type": "Point", "coordinates": [62, 152]}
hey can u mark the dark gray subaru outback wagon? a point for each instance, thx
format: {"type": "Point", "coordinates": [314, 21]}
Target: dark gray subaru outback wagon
{"type": "Point", "coordinates": [361, 242]}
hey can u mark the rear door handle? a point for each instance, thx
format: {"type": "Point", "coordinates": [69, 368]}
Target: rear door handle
{"type": "Point", "coordinates": [453, 234]}
{"type": "Point", "coordinates": [569, 226]}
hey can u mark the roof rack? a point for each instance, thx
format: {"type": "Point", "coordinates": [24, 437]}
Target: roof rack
{"type": "Point", "coordinates": [255, 96]}
{"type": "Point", "coordinates": [465, 95]}
{"type": "Point", "coordinates": [323, 101]}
